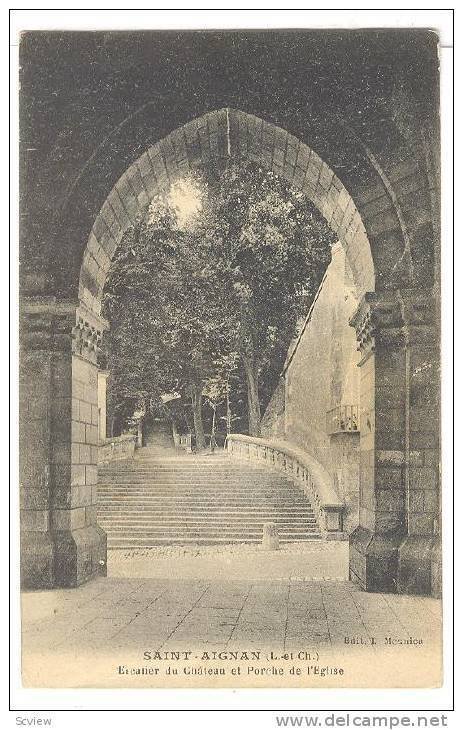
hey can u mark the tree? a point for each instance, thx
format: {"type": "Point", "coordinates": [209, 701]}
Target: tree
{"type": "Point", "coordinates": [167, 310]}
{"type": "Point", "coordinates": [186, 296]}
{"type": "Point", "coordinates": [217, 390]}
{"type": "Point", "coordinates": [275, 247]}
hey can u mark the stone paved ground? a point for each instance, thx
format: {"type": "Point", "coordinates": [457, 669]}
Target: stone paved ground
{"type": "Point", "coordinates": [80, 637]}
{"type": "Point", "coordinates": [312, 560]}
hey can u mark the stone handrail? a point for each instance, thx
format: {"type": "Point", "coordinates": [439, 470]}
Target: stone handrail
{"type": "Point", "coordinates": [306, 472]}
{"type": "Point", "coordinates": [118, 447]}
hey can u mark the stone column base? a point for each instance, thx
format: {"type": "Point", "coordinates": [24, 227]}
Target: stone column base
{"type": "Point", "coordinates": [37, 560]}
{"type": "Point", "coordinates": [373, 560]}
{"type": "Point", "coordinates": [79, 555]}
{"type": "Point", "coordinates": [63, 559]}
{"type": "Point", "coordinates": [418, 561]}
{"type": "Point", "coordinates": [395, 564]}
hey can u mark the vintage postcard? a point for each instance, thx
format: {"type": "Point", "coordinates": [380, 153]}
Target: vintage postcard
{"type": "Point", "coordinates": [230, 359]}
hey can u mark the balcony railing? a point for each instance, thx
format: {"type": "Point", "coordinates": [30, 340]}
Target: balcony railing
{"type": "Point", "coordinates": [342, 418]}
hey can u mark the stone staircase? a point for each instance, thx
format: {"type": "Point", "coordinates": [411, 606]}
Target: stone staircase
{"type": "Point", "coordinates": [171, 499]}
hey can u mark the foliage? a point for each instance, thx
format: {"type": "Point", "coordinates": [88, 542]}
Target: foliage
{"type": "Point", "coordinates": [189, 296]}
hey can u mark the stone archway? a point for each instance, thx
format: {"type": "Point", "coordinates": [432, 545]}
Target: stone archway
{"type": "Point", "coordinates": [392, 548]}
{"type": "Point", "coordinates": [211, 139]}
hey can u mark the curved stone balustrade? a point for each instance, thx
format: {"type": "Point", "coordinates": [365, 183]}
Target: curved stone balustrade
{"type": "Point", "coordinates": [118, 447]}
{"type": "Point", "coordinates": [306, 473]}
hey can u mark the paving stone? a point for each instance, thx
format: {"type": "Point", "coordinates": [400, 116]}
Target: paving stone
{"type": "Point", "coordinates": [115, 615]}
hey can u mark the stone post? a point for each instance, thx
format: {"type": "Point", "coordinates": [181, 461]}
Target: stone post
{"type": "Point", "coordinates": [61, 543]}
{"type": "Point", "coordinates": [399, 425]}
{"type": "Point", "coordinates": [270, 538]}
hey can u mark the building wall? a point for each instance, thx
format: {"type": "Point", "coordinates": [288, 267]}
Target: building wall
{"type": "Point", "coordinates": [273, 420]}
{"type": "Point", "coordinates": [321, 372]}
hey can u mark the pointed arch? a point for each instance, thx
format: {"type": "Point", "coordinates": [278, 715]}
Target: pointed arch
{"type": "Point", "coordinates": [211, 140]}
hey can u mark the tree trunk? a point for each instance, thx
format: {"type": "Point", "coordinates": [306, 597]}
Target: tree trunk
{"type": "Point", "coordinates": [196, 402]}
{"type": "Point", "coordinates": [229, 421]}
{"type": "Point", "coordinates": [213, 441]}
{"type": "Point", "coordinates": [252, 377]}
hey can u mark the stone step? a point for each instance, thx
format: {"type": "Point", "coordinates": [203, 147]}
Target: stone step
{"type": "Point", "coordinates": [199, 512]}
{"type": "Point", "coordinates": [195, 487]}
{"type": "Point", "coordinates": [216, 535]}
{"type": "Point", "coordinates": [193, 506]}
{"type": "Point", "coordinates": [153, 501]}
{"type": "Point", "coordinates": [210, 519]}
{"type": "Point", "coordinates": [185, 473]}
{"type": "Point", "coordinates": [212, 531]}
{"type": "Point", "coordinates": [156, 475]}
{"type": "Point", "coordinates": [240, 507]}
{"type": "Point", "coordinates": [222, 535]}
{"type": "Point", "coordinates": [119, 543]}
{"type": "Point", "coordinates": [198, 481]}
{"type": "Point", "coordinates": [184, 478]}
{"type": "Point", "coordinates": [196, 491]}
{"type": "Point", "coordinates": [186, 463]}
{"type": "Point", "coordinates": [252, 505]}
{"type": "Point", "coordinates": [211, 495]}
{"type": "Point", "coordinates": [264, 516]}
{"type": "Point", "coordinates": [208, 507]}
{"type": "Point", "coordinates": [179, 461]}
{"type": "Point", "coordinates": [206, 519]}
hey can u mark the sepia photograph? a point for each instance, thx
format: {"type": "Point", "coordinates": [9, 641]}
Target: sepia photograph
{"type": "Point", "coordinates": [230, 369]}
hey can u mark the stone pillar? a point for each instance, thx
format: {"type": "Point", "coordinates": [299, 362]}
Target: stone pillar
{"type": "Point", "coordinates": [391, 550]}
{"type": "Point", "coordinates": [420, 552]}
{"type": "Point", "coordinates": [61, 543]}
{"type": "Point", "coordinates": [102, 388]}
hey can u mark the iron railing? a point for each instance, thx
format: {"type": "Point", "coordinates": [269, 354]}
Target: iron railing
{"type": "Point", "coordinates": [342, 418]}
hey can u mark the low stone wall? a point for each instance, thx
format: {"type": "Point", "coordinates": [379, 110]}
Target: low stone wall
{"type": "Point", "coordinates": [116, 448]}
{"type": "Point", "coordinates": [306, 473]}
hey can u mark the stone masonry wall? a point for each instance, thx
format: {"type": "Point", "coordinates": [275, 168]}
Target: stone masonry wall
{"type": "Point", "coordinates": [84, 447]}
{"type": "Point", "coordinates": [61, 542]}
{"type": "Point", "coordinates": [273, 420]}
{"type": "Point", "coordinates": [321, 372]}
